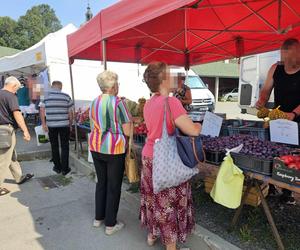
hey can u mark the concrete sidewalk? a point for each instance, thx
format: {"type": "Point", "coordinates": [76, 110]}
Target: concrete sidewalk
{"type": "Point", "coordinates": [34, 217]}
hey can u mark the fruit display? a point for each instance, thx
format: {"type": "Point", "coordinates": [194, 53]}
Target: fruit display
{"type": "Point", "coordinates": [263, 113]}
{"type": "Point", "coordinates": [140, 129]}
{"type": "Point", "coordinates": [291, 161]}
{"type": "Point", "coordinates": [253, 146]}
{"type": "Point", "coordinates": [277, 114]}
{"type": "Point", "coordinates": [82, 117]}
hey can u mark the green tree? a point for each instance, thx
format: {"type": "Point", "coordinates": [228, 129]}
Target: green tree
{"type": "Point", "coordinates": [38, 22]}
{"type": "Point", "coordinates": [7, 32]}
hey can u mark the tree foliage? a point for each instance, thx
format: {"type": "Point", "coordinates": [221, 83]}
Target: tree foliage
{"type": "Point", "coordinates": [39, 21]}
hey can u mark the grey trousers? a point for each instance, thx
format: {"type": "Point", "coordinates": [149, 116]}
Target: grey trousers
{"type": "Point", "coordinates": [8, 160]}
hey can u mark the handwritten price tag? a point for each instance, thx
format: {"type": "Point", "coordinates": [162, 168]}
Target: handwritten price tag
{"type": "Point", "coordinates": [284, 131]}
{"type": "Point", "coordinates": [211, 124]}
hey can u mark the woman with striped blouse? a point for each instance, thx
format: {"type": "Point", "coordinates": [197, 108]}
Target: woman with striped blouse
{"type": "Point", "coordinates": [110, 124]}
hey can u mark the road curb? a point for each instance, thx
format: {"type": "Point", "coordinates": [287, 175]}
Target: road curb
{"type": "Point", "coordinates": [33, 155]}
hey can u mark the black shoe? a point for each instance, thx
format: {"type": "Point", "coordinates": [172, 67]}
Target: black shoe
{"type": "Point", "coordinates": [56, 170]}
{"type": "Point", "coordinates": [64, 173]}
{"type": "Point", "coordinates": [26, 178]}
{"type": "Point", "coordinates": [288, 200]}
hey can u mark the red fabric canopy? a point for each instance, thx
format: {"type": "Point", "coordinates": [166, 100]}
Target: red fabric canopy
{"type": "Point", "coordinates": [189, 32]}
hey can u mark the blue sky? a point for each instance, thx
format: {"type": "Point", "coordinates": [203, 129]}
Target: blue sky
{"type": "Point", "coordinates": [68, 11]}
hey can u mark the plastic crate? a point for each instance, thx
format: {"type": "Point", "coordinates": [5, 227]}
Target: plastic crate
{"type": "Point", "coordinates": [253, 164]}
{"type": "Point", "coordinates": [214, 157]}
{"type": "Point", "coordinates": [227, 123]}
{"type": "Point", "coordinates": [139, 139]}
{"type": "Point", "coordinates": [254, 128]}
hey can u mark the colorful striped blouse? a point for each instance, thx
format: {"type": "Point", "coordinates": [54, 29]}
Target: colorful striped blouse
{"type": "Point", "coordinates": [107, 114]}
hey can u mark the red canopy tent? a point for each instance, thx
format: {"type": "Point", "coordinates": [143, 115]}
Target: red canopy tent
{"type": "Point", "coordinates": [185, 32]}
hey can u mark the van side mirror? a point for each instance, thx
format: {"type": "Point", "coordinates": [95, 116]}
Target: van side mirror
{"type": "Point", "coordinates": [206, 85]}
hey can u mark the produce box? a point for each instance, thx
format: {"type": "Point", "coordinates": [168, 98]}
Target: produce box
{"type": "Point", "coordinates": [214, 157]}
{"type": "Point", "coordinates": [252, 163]}
{"type": "Point", "coordinates": [253, 198]}
{"type": "Point", "coordinates": [255, 128]}
{"type": "Point", "coordinates": [139, 139]}
{"type": "Point", "coordinates": [282, 172]}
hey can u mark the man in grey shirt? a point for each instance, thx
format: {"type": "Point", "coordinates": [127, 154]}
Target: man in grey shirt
{"type": "Point", "coordinates": [57, 117]}
{"type": "Point", "coordinates": [10, 119]}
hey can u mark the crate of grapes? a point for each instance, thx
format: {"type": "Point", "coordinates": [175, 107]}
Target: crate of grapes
{"type": "Point", "coordinates": [254, 128]}
{"type": "Point", "coordinates": [214, 157]}
{"type": "Point", "coordinates": [253, 164]}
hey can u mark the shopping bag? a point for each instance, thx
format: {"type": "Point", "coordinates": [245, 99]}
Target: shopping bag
{"type": "Point", "coordinates": [228, 187]}
{"type": "Point", "coordinates": [42, 137]}
{"type": "Point", "coordinates": [131, 165]}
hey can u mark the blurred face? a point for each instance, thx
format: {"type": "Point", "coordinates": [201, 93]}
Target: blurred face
{"type": "Point", "coordinates": [290, 55]}
{"type": "Point", "coordinates": [166, 83]}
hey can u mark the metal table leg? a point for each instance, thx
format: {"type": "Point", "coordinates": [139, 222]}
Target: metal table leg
{"type": "Point", "coordinates": [239, 210]}
{"type": "Point", "coordinates": [269, 217]}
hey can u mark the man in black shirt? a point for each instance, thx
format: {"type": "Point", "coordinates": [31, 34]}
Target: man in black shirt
{"type": "Point", "coordinates": [284, 78]}
{"type": "Point", "coordinates": [10, 119]}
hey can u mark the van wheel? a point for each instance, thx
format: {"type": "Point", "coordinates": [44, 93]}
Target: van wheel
{"type": "Point", "coordinates": [244, 111]}
{"type": "Point", "coordinates": [229, 98]}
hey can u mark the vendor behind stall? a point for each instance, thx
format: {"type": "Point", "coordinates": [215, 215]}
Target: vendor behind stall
{"type": "Point", "coordinates": [183, 93]}
{"type": "Point", "coordinates": [284, 78]}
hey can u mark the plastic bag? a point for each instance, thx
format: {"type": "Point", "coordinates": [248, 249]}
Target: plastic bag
{"type": "Point", "coordinates": [228, 187]}
{"type": "Point", "coordinates": [42, 137]}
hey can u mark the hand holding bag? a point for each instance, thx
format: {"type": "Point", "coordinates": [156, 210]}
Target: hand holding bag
{"type": "Point", "coordinates": [168, 168]}
{"type": "Point", "coordinates": [131, 166]}
{"type": "Point", "coordinates": [190, 148]}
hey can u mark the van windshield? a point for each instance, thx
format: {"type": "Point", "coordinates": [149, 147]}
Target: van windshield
{"type": "Point", "coordinates": [195, 82]}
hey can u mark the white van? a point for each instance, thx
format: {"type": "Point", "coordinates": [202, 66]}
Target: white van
{"type": "Point", "coordinates": [203, 99]}
{"type": "Point", "coordinates": [253, 73]}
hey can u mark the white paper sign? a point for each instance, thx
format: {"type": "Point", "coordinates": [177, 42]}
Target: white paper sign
{"type": "Point", "coordinates": [211, 124]}
{"type": "Point", "coordinates": [284, 131]}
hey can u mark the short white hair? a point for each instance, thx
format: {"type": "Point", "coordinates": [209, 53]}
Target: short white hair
{"type": "Point", "coordinates": [10, 80]}
{"type": "Point", "coordinates": [107, 79]}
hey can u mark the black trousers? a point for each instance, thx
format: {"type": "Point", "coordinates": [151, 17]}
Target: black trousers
{"type": "Point", "coordinates": [110, 171]}
{"type": "Point", "coordinates": [61, 161]}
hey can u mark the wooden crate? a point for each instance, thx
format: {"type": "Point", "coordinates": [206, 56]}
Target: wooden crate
{"type": "Point", "coordinates": [253, 198]}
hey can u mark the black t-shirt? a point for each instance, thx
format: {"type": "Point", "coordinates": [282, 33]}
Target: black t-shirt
{"type": "Point", "coordinates": [286, 90]}
{"type": "Point", "coordinates": [8, 104]}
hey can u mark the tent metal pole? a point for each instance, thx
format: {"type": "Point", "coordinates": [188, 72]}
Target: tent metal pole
{"type": "Point", "coordinates": [104, 54]}
{"type": "Point", "coordinates": [73, 97]}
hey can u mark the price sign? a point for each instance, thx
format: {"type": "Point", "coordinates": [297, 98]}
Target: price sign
{"type": "Point", "coordinates": [284, 131]}
{"type": "Point", "coordinates": [211, 124]}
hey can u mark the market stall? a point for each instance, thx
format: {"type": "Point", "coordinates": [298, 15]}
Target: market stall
{"type": "Point", "coordinates": [186, 33]}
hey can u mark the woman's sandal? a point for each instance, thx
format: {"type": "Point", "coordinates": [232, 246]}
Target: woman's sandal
{"type": "Point", "coordinates": [4, 191]}
{"type": "Point", "coordinates": [151, 240]}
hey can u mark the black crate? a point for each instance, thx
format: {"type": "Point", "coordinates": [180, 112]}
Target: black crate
{"type": "Point", "coordinates": [254, 128]}
{"type": "Point", "coordinates": [139, 139]}
{"type": "Point", "coordinates": [253, 164]}
{"type": "Point", "coordinates": [214, 157]}
{"type": "Point", "coordinates": [282, 173]}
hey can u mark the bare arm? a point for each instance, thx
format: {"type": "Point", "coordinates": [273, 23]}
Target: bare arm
{"type": "Point", "coordinates": [21, 123]}
{"type": "Point", "coordinates": [43, 118]}
{"type": "Point", "coordinates": [71, 116]}
{"type": "Point", "coordinates": [187, 126]}
{"type": "Point", "coordinates": [267, 88]}
{"type": "Point", "coordinates": [126, 128]}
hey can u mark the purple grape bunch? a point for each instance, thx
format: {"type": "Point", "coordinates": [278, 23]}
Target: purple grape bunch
{"type": "Point", "coordinates": [252, 146]}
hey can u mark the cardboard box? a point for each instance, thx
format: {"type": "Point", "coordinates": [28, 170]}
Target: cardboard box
{"type": "Point", "coordinates": [282, 173]}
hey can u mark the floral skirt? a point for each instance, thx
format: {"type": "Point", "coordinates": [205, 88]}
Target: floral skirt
{"type": "Point", "coordinates": [168, 214]}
